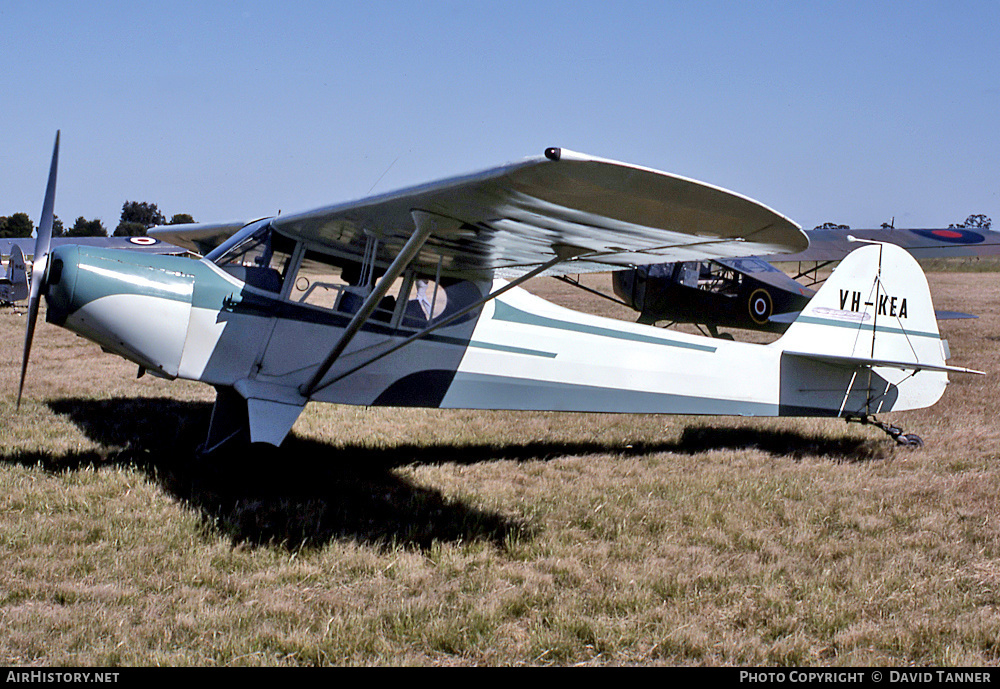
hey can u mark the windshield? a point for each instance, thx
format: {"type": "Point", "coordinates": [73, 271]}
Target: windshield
{"type": "Point", "coordinates": [256, 255]}
{"type": "Point", "coordinates": [241, 242]}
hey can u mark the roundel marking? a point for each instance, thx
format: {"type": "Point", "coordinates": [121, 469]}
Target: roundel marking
{"type": "Point", "coordinates": [143, 241]}
{"type": "Point", "coordinates": [952, 235]}
{"type": "Point", "coordinates": [760, 306]}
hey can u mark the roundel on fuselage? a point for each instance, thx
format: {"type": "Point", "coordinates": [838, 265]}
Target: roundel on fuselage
{"type": "Point", "coordinates": [760, 306]}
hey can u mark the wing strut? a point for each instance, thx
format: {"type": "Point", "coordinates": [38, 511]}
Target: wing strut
{"type": "Point", "coordinates": [425, 224]}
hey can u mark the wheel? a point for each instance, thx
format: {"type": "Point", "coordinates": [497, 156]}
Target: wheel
{"type": "Point", "coordinates": [910, 440]}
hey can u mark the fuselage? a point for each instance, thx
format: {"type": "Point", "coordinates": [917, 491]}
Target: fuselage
{"type": "Point", "coordinates": [191, 319]}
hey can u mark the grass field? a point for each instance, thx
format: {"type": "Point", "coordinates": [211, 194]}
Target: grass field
{"type": "Point", "coordinates": [417, 537]}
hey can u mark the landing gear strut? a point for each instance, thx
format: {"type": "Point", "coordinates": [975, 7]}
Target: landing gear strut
{"type": "Point", "coordinates": [911, 440]}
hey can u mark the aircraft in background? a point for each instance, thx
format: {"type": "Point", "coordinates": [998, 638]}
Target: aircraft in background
{"type": "Point", "coordinates": [14, 284]}
{"type": "Point", "coordinates": [412, 298]}
{"type": "Point", "coordinates": [147, 244]}
{"type": "Point", "coordinates": [752, 294]}
{"type": "Point", "coordinates": [15, 249]}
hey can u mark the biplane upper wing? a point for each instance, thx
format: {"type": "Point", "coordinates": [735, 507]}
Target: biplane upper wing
{"type": "Point", "coordinates": [598, 214]}
{"type": "Point", "coordinates": [952, 242]}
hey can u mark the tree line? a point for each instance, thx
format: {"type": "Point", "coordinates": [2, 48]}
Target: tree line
{"type": "Point", "coordinates": [136, 218]}
{"type": "Point", "coordinates": [979, 221]}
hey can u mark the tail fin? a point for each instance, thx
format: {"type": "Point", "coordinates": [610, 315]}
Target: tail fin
{"type": "Point", "coordinates": [17, 276]}
{"type": "Point", "coordinates": [872, 317]}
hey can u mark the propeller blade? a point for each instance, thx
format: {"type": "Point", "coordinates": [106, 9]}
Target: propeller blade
{"type": "Point", "coordinates": [43, 240]}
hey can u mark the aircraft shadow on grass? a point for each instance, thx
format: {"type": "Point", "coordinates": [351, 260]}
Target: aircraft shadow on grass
{"type": "Point", "coordinates": [308, 493]}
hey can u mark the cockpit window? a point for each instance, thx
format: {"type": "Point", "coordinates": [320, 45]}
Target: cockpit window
{"type": "Point", "coordinates": [412, 301]}
{"type": "Point", "coordinates": [339, 284]}
{"type": "Point", "coordinates": [257, 256]}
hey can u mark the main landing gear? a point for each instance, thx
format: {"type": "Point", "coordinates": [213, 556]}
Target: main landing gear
{"type": "Point", "coordinates": [911, 440]}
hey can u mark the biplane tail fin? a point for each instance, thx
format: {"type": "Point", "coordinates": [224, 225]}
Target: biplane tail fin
{"type": "Point", "coordinates": [16, 279]}
{"type": "Point", "coordinates": [874, 310]}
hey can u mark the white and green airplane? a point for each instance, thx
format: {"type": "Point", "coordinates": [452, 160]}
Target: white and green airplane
{"type": "Point", "coordinates": [413, 298]}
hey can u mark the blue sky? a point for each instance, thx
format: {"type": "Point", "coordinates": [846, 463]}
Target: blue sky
{"type": "Point", "coordinates": [851, 112]}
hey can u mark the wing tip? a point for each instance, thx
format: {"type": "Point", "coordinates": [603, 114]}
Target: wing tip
{"type": "Point", "coordinates": [553, 153]}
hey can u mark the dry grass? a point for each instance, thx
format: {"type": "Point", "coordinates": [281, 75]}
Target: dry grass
{"type": "Point", "coordinates": [384, 536]}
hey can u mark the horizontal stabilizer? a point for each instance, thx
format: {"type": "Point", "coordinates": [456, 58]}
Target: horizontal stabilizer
{"type": "Point", "coordinates": [953, 315]}
{"type": "Point", "coordinates": [940, 315]}
{"type": "Point", "coordinates": [864, 361]}
{"type": "Point", "coordinates": [784, 317]}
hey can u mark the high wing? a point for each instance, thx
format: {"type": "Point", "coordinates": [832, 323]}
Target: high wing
{"type": "Point", "coordinates": [597, 214]}
{"type": "Point", "coordinates": [953, 242]}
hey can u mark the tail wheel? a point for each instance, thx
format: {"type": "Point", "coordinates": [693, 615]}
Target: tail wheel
{"type": "Point", "coordinates": [910, 440]}
{"type": "Point", "coordinates": [760, 306]}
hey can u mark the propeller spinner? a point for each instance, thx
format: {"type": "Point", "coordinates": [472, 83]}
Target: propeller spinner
{"type": "Point", "coordinates": [43, 241]}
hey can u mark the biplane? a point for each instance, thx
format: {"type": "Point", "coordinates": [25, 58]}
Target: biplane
{"type": "Point", "coordinates": [414, 298]}
{"type": "Point", "coordinates": [752, 294]}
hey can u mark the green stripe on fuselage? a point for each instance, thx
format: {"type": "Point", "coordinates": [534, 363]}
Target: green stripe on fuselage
{"type": "Point", "coordinates": [506, 312]}
{"type": "Point", "coordinates": [854, 325]}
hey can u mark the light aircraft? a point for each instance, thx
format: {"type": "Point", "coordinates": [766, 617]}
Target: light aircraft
{"type": "Point", "coordinates": [413, 298]}
{"type": "Point", "coordinates": [14, 284]}
{"type": "Point", "coordinates": [752, 294]}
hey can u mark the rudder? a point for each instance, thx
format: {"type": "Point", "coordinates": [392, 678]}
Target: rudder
{"type": "Point", "coordinates": [876, 306]}
{"type": "Point", "coordinates": [18, 273]}
{"type": "Point", "coordinates": [867, 342]}
{"type": "Point", "coordinates": [16, 279]}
